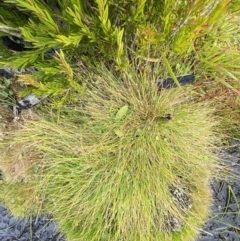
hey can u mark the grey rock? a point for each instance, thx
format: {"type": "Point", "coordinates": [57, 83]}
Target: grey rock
{"type": "Point", "coordinates": [208, 238]}
{"type": "Point", "coordinates": [13, 221]}
{"type": "Point", "coordinates": [2, 210]}
{"type": "Point", "coordinates": [2, 227]}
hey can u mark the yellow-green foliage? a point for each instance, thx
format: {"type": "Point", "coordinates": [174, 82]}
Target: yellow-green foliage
{"type": "Point", "coordinates": [107, 168]}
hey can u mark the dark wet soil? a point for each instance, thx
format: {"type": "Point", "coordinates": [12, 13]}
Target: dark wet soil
{"type": "Point", "coordinates": [223, 225]}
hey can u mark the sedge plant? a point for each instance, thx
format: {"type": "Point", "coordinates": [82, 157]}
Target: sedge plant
{"type": "Point", "coordinates": [126, 162]}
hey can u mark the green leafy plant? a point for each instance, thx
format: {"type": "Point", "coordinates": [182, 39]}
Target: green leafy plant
{"type": "Point", "coordinates": [6, 100]}
{"type": "Point", "coordinates": [5, 92]}
{"type": "Point", "coordinates": [121, 162]}
{"type": "Point", "coordinates": [196, 34]}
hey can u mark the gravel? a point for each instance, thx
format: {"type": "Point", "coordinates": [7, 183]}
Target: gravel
{"type": "Point", "coordinates": [29, 229]}
{"type": "Point", "coordinates": [224, 223]}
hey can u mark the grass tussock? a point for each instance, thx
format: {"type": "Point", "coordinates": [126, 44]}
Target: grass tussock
{"type": "Point", "coordinates": [126, 163]}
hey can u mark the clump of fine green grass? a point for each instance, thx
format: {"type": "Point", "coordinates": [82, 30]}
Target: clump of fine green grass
{"type": "Point", "coordinates": [126, 163]}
